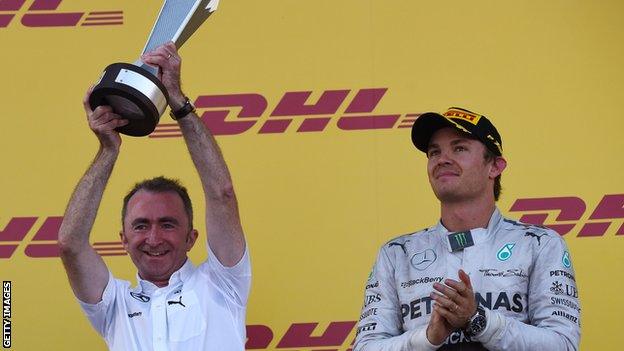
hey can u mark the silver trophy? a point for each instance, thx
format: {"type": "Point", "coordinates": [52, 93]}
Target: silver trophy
{"type": "Point", "coordinates": [133, 90]}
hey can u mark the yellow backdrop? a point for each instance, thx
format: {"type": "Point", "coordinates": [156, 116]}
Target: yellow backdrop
{"type": "Point", "coordinates": [317, 204]}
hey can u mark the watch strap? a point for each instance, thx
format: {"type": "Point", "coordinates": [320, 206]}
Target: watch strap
{"type": "Point", "coordinates": [477, 323]}
{"type": "Point", "coordinates": [183, 111]}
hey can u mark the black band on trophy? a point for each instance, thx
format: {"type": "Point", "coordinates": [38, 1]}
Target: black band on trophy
{"type": "Point", "coordinates": [133, 93]}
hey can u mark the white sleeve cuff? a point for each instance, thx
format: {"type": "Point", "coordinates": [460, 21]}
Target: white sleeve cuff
{"type": "Point", "coordinates": [419, 341]}
{"type": "Point", "coordinates": [495, 323]}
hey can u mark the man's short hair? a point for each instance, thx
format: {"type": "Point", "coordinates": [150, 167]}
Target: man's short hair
{"type": "Point", "coordinates": [161, 185]}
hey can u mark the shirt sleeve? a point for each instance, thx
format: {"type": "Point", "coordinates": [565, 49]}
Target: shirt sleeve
{"type": "Point", "coordinates": [100, 314]}
{"type": "Point", "coordinates": [380, 326]}
{"type": "Point", "coordinates": [233, 281]}
{"type": "Point", "coordinates": [553, 309]}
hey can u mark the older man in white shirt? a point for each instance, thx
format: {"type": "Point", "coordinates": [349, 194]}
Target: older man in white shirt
{"type": "Point", "coordinates": [175, 306]}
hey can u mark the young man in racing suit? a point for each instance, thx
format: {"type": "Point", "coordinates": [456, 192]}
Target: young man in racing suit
{"type": "Point", "coordinates": [476, 280]}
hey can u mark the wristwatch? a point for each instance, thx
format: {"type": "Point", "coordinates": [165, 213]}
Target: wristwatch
{"type": "Point", "coordinates": [183, 111]}
{"type": "Point", "coordinates": [477, 323]}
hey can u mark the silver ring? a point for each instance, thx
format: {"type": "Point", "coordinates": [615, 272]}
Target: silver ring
{"type": "Point", "coordinates": [169, 56]}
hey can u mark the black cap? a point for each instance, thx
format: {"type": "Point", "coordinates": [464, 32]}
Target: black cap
{"type": "Point", "coordinates": [463, 120]}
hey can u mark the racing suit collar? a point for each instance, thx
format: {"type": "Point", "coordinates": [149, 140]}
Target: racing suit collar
{"type": "Point", "coordinates": [178, 277]}
{"type": "Point", "coordinates": [479, 235]}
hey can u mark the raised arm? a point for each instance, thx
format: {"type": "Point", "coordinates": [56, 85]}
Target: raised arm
{"type": "Point", "coordinates": [86, 271]}
{"type": "Point", "coordinates": [224, 230]}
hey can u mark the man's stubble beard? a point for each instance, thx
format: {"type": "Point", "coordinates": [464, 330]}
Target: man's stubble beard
{"type": "Point", "coordinates": [457, 193]}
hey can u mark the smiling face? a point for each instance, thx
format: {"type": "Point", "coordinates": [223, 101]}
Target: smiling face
{"type": "Point", "coordinates": [157, 234]}
{"type": "Point", "coordinates": [457, 168]}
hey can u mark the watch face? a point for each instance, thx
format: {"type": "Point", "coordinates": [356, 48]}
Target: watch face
{"type": "Point", "coordinates": [477, 325]}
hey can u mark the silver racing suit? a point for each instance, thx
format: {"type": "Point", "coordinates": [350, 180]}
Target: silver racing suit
{"type": "Point", "coordinates": [522, 275]}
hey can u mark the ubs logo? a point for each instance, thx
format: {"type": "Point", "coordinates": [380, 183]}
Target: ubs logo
{"type": "Point", "coordinates": [557, 289]}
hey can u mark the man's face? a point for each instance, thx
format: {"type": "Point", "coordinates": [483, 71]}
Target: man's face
{"type": "Point", "coordinates": [457, 168]}
{"type": "Point", "coordinates": [156, 234]}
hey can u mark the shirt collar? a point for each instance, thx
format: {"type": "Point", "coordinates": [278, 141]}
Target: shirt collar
{"type": "Point", "coordinates": [479, 235]}
{"type": "Point", "coordinates": [178, 277]}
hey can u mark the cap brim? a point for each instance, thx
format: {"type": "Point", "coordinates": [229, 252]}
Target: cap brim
{"type": "Point", "coordinates": [424, 127]}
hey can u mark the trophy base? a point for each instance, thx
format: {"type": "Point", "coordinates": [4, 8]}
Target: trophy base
{"type": "Point", "coordinates": [133, 93]}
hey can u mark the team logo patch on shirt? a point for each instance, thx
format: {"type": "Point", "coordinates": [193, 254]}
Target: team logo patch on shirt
{"type": "Point", "coordinates": [140, 297]}
{"type": "Point", "coordinates": [566, 260]}
{"type": "Point", "coordinates": [556, 288]}
{"type": "Point", "coordinates": [134, 314]}
{"type": "Point", "coordinates": [505, 252]}
{"type": "Point", "coordinates": [366, 327]}
{"type": "Point", "coordinates": [460, 240]}
{"type": "Point", "coordinates": [402, 246]}
{"type": "Point", "coordinates": [538, 237]}
{"type": "Point", "coordinates": [179, 302]}
{"type": "Point", "coordinates": [422, 260]}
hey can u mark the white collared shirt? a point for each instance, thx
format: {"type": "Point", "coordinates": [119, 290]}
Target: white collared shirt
{"type": "Point", "coordinates": [202, 308]}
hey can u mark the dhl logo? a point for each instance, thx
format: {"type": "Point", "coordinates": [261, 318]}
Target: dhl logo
{"type": "Point", "coordinates": [44, 243]}
{"type": "Point", "coordinates": [43, 13]}
{"type": "Point", "coordinates": [354, 110]}
{"type": "Point", "coordinates": [571, 209]}
{"type": "Point", "coordinates": [535, 210]}
{"type": "Point", "coordinates": [300, 336]}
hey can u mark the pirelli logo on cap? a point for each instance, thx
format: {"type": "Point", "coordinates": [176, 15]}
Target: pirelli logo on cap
{"type": "Point", "coordinates": [466, 116]}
